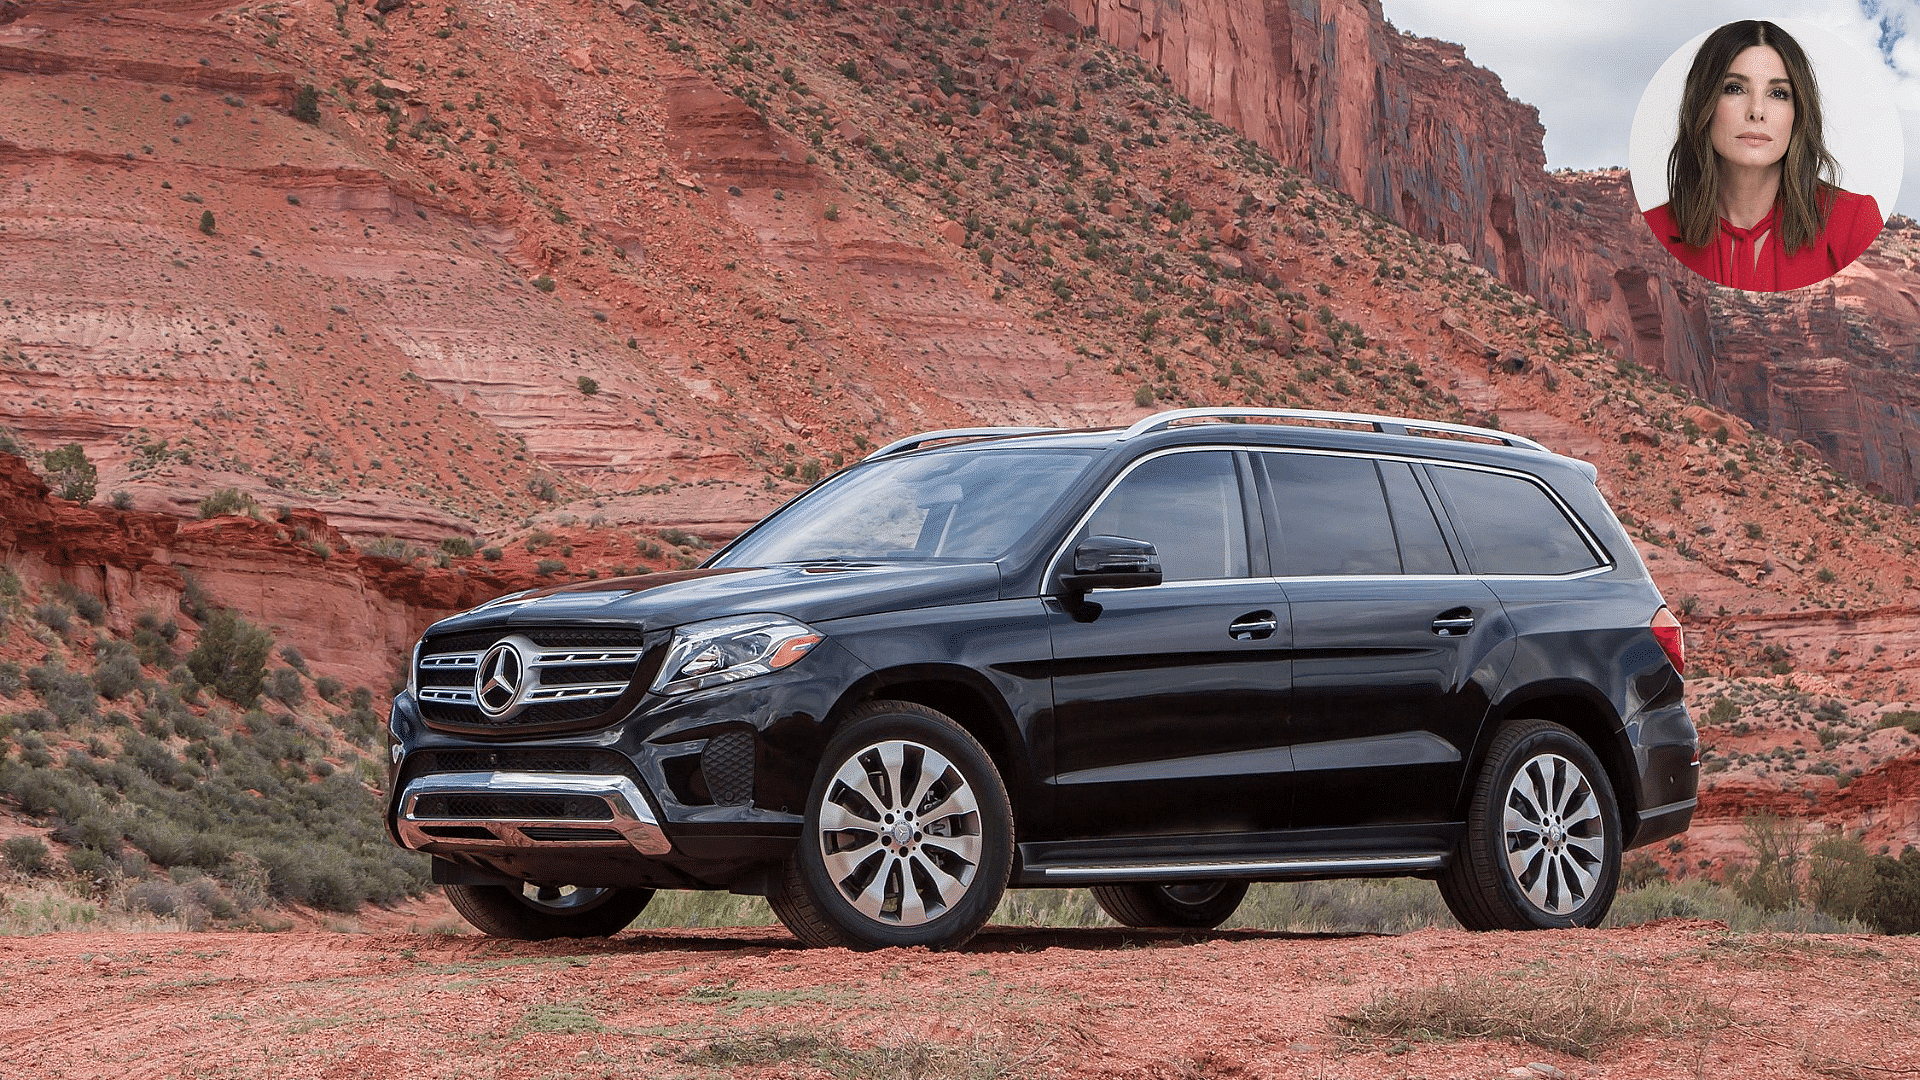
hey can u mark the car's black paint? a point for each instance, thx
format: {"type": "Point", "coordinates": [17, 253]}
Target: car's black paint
{"type": "Point", "coordinates": [1152, 723]}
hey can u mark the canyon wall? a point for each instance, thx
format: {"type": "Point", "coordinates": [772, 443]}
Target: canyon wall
{"type": "Point", "coordinates": [1417, 134]}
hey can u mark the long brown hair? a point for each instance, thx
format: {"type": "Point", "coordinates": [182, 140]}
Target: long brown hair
{"type": "Point", "coordinates": [1693, 171]}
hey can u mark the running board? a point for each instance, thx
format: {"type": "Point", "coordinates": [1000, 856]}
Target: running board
{"type": "Point", "coordinates": [1332, 866]}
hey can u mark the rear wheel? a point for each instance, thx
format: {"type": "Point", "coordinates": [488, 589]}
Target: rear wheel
{"type": "Point", "coordinates": [1198, 905]}
{"type": "Point", "coordinates": [1542, 847]}
{"type": "Point", "coordinates": [908, 837]}
{"type": "Point", "coordinates": [532, 912]}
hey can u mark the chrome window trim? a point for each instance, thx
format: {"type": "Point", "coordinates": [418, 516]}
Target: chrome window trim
{"type": "Point", "coordinates": [1594, 546]}
{"type": "Point", "coordinates": [1062, 552]}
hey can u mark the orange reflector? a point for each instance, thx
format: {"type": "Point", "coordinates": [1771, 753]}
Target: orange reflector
{"type": "Point", "coordinates": [790, 650]}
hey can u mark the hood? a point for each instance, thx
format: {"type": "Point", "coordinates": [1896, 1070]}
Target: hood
{"type": "Point", "coordinates": [812, 594]}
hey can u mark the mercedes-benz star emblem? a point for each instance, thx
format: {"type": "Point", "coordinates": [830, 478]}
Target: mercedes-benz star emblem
{"type": "Point", "coordinates": [497, 685]}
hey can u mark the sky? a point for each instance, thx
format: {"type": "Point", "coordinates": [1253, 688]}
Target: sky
{"type": "Point", "coordinates": [1584, 65]}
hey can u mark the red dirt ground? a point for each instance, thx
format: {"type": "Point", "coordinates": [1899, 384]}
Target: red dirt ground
{"type": "Point", "coordinates": [1017, 1002]}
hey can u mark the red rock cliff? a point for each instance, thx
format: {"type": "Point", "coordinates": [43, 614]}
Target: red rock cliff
{"type": "Point", "coordinates": [1417, 134]}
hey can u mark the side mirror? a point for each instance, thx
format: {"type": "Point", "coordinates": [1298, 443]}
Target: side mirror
{"type": "Point", "coordinates": [1112, 562]}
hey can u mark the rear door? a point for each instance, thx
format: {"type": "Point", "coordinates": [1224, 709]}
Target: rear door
{"type": "Point", "coordinates": [1396, 649]}
{"type": "Point", "coordinates": [1171, 700]}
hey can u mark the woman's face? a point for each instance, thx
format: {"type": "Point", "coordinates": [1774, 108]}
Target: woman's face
{"type": "Point", "coordinates": [1754, 117]}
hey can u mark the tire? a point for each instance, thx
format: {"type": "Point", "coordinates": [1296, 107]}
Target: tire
{"type": "Point", "coordinates": [1542, 846]}
{"type": "Point", "coordinates": [865, 874]}
{"type": "Point", "coordinates": [536, 913]}
{"type": "Point", "coordinates": [1198, 905]}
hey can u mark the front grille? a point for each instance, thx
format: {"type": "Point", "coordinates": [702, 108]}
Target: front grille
{"type": "Point", "coordinates": [542, 759]}
{"type": "Point", "coordinates": [513, 807]}
{"type": "Point", "coordinates": [564, 678]}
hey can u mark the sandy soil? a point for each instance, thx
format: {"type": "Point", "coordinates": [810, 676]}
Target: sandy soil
{"type": "Point", "coordinates": [1687, 999]}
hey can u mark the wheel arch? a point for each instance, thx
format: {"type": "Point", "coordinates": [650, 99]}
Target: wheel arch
{"type": "Point", "coordinates": [958, 692]}
{"type": "Point", "coordinates": [1581, 709]}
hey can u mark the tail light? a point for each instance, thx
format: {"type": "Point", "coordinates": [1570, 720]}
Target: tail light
{"type": "Point", "coordinates": [1666, 630]}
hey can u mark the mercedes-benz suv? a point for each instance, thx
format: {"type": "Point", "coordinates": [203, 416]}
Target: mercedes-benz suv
{"type": "Point", "coordinates": [1162, 662]}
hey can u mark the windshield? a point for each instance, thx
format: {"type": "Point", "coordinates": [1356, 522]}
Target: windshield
{"type": "Point", "coordinates": [971, 505]}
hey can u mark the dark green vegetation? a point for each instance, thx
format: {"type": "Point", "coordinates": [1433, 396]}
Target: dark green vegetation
{"type": "Point", "coordinates": [204, 783]}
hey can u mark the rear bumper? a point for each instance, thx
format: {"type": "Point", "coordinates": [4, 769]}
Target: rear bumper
{"type": "Point", "coordinates": [485, 812]}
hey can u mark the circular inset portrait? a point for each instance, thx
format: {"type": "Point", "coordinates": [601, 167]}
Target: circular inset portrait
{"type": "Point", "coordinates": [1766, 155]}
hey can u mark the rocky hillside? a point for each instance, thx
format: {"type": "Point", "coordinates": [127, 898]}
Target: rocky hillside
{"type": "Point", "coordinates": [585, 285]}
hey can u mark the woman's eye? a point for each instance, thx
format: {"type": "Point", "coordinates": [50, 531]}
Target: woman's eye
{"type": "Point", "coordinates": [1781, 93]}
{"type": "Point", "coordinates": [1733, 87]}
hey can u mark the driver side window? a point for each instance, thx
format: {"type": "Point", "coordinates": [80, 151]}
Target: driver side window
{"type": "Point", "coordinates": [1189, 507]}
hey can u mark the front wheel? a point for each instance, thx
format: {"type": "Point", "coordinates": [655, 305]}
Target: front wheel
{"type": "Point", "coordinates": [1200, 905]}
{"type": "Point", "coordinates": [908, 838]}
{"type": "Point", "coordinates": [531, 912]}
{"type": "Point", "coordinates": [1542, 846]}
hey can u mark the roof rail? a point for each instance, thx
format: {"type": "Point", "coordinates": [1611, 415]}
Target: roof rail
{"type": "Point", "coordinates": [915, 442]}
{"type": "Point", "coordinates": [1391, 425]}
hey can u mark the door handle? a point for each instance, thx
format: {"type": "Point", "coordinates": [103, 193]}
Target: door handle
{"type": "Point", "coordinates": [1253, 626]}
{"type": "Point", "coordinates": [1455, 623]}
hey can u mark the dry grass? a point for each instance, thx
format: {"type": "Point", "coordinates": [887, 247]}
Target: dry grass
{"type": "Point", "coordinates": [1578, 1013]}
{"type": "Point", "coordinates": [829, 1052]}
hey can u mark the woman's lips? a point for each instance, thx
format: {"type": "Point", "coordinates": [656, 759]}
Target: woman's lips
{"type": "Point", "coordinates": [1756, 138]}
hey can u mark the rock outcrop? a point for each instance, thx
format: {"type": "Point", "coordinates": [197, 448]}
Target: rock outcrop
{"type": "Point", "coordinates": [1417, 134]}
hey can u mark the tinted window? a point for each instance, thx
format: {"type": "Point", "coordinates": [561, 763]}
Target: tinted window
{"type": "Point", "coordinates": [1188, 506]}
{"type": "Point", "coordinates": [1333, 516]}
{"type": "Point", "coordinates": [1511, 526]}
{"type": "Point", "coordinates": [971, 504]}
{"type": "Point", "coordinates": [1422, 549]}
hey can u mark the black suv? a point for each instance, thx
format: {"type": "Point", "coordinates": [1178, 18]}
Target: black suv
{"type": "Point", "coordinates": [1216, 647]}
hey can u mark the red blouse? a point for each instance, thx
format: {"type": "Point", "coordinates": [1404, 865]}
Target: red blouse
{"type": "Point", "coordinates": [1852, 223]}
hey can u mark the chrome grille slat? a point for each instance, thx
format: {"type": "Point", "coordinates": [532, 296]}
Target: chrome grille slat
{"type": "Point", "coordinates": [569, 675]}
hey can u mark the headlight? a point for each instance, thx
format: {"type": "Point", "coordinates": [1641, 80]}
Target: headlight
{"type": "Point", "coordinates": [728, 650]}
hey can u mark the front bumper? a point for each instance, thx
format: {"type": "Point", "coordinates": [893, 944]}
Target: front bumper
{"type": "Point", "coordinates": [484, 812]}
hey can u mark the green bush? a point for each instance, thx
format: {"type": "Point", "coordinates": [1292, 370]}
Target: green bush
{"type": "Point", "coordinates": [306, 104]}
{"type": "Point", "coordinates": [116, 672]}
{"type": "Point", "coordinates": [55, 616]}
{"type": "Point", "coordinates": [69, 695]}
{"type": "Point", "coordinates": [226, 501]}
{"type": "Point", "coordinates": [70, 474]}
{"type": "Point", "coordinates": [285, 687]}
{"type": "Point", "coordinates": [328, 687]}
{"type": "Point", "coordinates": [1894, 906]}
{"type": "Point", "coordinates": [587, 386]}
{"type": "Point", "coordinates": [457, 546]}
{"type": "Point", "coordinates": [85, 604]}
{"type": "Point", "coordinates": [206, 222]}
{"type": "Point", "coordinates": [547, 567]}
{"type": "Point", "coordinates": [231, 657]}
{"type": "Point", "coordinates": [25, 854]}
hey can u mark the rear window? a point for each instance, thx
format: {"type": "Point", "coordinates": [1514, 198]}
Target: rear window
{"type": "Point", "coordinates": [1511, 525]}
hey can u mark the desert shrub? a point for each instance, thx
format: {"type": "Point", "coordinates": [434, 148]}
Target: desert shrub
{"type": "Point", "coordinates": [231, 657]}
{"type": "Point", "coordinates": [392, 547]}
{"type": "Point", "coordinates": [1777, 845]}
{"type": "Point", "coordinates": [11, 678]}
{"type": "Point", "coordinates": [33, 720]}
{"type": "Point", "coordinates": [69, 695]}
{"type": "Point", "coordinates": [87, 605]}
{"type": "Point", "coordinates": [92, 864]}
{"type": "Point", "coordinates": [1902, 718]}
{"type": "Point", "coordinates": [1840, 877]}
{"type": "Point", "coordinates": [161, 898]}
{"type": "Point", "coordinates": [587, 386]}
{"type": "Point", "coordinates": [457, 546]}
{"type": "Point", "coordinates": [492, 554]}
{"type": "Point", "coordinates": [55, 616]}
{"type": "Point", "coordinates": [168, 844]}
{"type": "Point", "coordinates": [547, 567]}
{"type": "Point", "coordinates": [293, 658]}
{"type": "Point", "coordinates": [226, 501]}
{"type": "Point", "coordinates": [151, 756]}
{"type": "Point", "coordinates": [94, 829]}
{"type": "Point", "coordinates": [285, 687]}
{"type": "Point", "coordinates": [1894, 904]}
{"type": "Point", "coordinates": [24, 854]}
{"type": "Point", "coordinates": [116, 671]}
{"type": "Point", "coordinates": [70, 474]}
{"type": "Point", "coordinates": [328, 687]}
{"type": "Point", "coordinates": [306, 104]}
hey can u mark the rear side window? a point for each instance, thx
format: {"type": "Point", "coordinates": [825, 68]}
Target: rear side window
{"type": "Point", "coordinates": [1189, 507]}
{"type": "Point", "coordinates": [1333, 516]}
{"type": "Point", "coordinates": [1422, 549]}
{"type": "Point", "coordinates": [1511, 525]}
